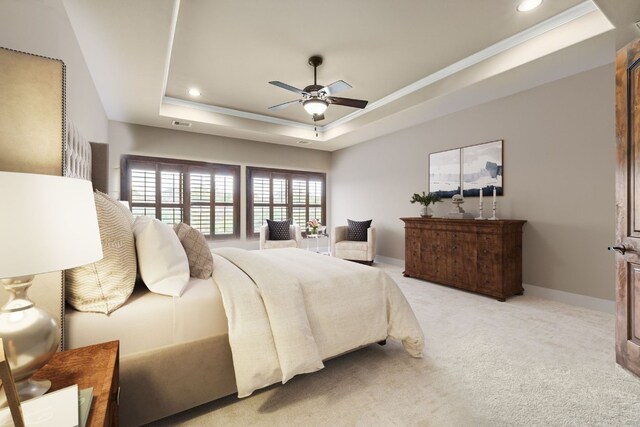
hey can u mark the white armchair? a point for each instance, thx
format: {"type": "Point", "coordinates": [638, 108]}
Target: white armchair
{"type": "Point", "coordinates": [294, 242]}
{"type": "Point", "coordinates": [353, 250]}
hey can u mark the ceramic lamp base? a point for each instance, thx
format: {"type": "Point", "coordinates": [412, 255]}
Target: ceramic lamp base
{"type": "Point", "coordinates": [30, 337]}
{"type": "Point", "coordinates": [28, 389]}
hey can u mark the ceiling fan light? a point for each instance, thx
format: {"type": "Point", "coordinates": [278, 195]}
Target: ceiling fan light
{"type": "Point", "coordinates": [315, 106]}
{"type": "Point", "coordinates": [528, 5]}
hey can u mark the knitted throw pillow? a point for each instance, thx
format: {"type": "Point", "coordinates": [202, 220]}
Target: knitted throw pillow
{"type": "Point", "coordinates": [105, 285]}
{"type": "Point", "coordinates": [197, 250]}
{"type": "Point", "coordinates": [357, 230]}
{"type": "Point", "coordinates": [279, 230]}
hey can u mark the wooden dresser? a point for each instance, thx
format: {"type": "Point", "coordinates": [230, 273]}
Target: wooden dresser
{"type": "Point", "coordinates": [479, 256]}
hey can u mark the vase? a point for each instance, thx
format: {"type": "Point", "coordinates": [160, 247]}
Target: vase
{"type": "Point", "coordinates": [314, 230]}
{"type": "Point", "coordinates": [425, 212]}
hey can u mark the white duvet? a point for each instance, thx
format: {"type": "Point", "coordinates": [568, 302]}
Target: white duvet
{"type": "Point", "coordinates": [289, 309]}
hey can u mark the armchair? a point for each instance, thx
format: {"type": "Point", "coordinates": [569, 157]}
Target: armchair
{"type": "Point", "coordinates": [353, 250]}
{"type": "Point", "coordinates": [294, 242]}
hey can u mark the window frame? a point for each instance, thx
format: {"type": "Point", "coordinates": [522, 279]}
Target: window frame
{"type": "Point", "coordinates": [290, 175]}
{"type": "Point", "coordinates": [186, 167]}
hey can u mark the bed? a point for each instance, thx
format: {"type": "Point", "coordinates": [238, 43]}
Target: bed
{"type": "Point", "coordinates": [163, 338]}
{"type": "Point", "coordinates": [262, 318]}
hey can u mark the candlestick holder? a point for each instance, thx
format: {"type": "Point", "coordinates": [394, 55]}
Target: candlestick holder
{"type": "Point", "coordinates": [493, 216]}
{"type": "Point", "coordinates": [480, 209]}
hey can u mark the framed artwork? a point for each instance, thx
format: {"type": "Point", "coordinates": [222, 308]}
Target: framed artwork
{"type": "Point", "coordinates": [444, 173]}
{"type": "Point", "coordinates": [482, 169]}
{"type": "Point", "coordinates": [468, 169]}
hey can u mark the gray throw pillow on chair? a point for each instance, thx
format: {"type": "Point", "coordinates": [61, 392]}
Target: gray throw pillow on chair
{"type": "Point", "coordinates": [279, 230]}
{"type": "Point", "coordinates": [357, 230]}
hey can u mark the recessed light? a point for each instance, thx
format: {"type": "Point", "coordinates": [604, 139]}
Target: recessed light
{"type": "Point", "coordinates": [194, 92]}
{"type": "Point", "coordinates": [528, 5]}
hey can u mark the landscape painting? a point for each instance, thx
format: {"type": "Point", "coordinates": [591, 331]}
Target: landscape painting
{"type": "Point", "coordinates": [444, 173]}
{"type": "Point", "coordinates": [482, 169]}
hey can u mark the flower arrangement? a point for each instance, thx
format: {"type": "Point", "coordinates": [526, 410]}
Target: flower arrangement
{"type": "Point", "coordinates": [314, 224]}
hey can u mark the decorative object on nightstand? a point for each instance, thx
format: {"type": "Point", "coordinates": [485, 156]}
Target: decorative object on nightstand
{"type": "Point", "coordinates": [48, 224]}
{"type": "Point", "coordinates": [459, 213]}
{"type": "Point", "coordinates": [425, 200]}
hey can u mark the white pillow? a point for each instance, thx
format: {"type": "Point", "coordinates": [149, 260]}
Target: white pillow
{"type": "Point", "coordinates": [162, 262]}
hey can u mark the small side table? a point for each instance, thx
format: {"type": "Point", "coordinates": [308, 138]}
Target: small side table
{"type": "Point", "coordinates": [92, 366]}
{"type": "Point", "coordinates": [317, 238]}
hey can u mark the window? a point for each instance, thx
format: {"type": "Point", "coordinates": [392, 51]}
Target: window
{"type": "Point", "coordinates": [204, 195]}
{"type": "Point", "coordinates": [280, 194]}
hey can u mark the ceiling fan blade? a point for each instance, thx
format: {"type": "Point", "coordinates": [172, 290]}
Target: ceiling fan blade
{"type": "Point", "coordinates": [317, 117]}
{"type": "Point", "coordinates": [336, 87]}
{"type": "Point", "coordinates": [288, 87]}
{"type": "Point", "coordinates": [347, 102]}
{"type": "Point", "coordinates": [283, 105]}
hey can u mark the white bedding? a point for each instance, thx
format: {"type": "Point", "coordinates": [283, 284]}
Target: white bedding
{"type": "Point", "coordinates": [149, 320]}
{"type": "Point", "coordinates": [289, 309]}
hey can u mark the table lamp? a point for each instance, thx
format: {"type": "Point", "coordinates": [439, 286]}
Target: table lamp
{"type": "Point", "coordinates": [47, 223]}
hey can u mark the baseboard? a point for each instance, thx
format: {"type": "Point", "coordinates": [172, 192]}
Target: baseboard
{"type": "Point", "coordinates": [598, 304]}
{"type": "Point", "coordinates": [388, 260]}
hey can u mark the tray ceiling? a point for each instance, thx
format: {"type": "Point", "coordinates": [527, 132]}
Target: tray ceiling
{"type": "Point", "coordinates": [145, 55]}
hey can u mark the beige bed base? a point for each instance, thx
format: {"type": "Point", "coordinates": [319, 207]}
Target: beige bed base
{"type": "Point", "coordinates": [164, 381]}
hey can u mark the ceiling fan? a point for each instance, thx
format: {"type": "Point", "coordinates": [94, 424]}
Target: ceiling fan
{"type": "Point", "coordinates": [315, 98]}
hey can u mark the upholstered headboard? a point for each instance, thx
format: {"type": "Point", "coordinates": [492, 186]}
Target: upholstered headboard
{"type": "Point", "coordinates": [32, 134]}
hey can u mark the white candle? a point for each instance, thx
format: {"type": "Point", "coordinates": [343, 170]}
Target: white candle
{"type": "Point", "coordinates": [494, 194]}
{"type": "Point", "coordinates": [481, 196]}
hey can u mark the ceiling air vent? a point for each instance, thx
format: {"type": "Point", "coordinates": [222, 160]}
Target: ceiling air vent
{"type": "Point", "coordinates": [301, 142]}
{"type": "Point", "coordinates": [181, 124]}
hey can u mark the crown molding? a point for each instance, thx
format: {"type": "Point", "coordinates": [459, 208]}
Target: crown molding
{"type": "Point", "coordinates": [550, 24]}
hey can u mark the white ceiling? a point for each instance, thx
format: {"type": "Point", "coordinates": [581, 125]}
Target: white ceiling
{"type": "Point", "coordinates": [410, 59]}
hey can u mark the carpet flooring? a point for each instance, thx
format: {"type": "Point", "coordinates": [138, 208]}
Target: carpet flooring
{"type": "Point", "coordinates": [524, 362]}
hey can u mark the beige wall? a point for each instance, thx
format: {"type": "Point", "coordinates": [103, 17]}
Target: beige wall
{"type": "Point", "coordinates": [42, 28]}
{"type": "Point", "coordinates": [151, 141]}
{"type": "Point", "coordinates": [559, 145]}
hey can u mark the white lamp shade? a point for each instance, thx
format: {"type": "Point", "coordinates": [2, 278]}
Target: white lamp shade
{"type": "Point", "coordinates": [315, 106]}
{"type": "Point", "coordinates": [47, 223]}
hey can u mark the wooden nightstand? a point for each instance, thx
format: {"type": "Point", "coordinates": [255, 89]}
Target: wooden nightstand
{"type": "Point", "coordinates": [92, 366]}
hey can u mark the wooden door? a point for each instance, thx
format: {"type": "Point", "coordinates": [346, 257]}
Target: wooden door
{"type": "Point", "coordinates": [628, 207]}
